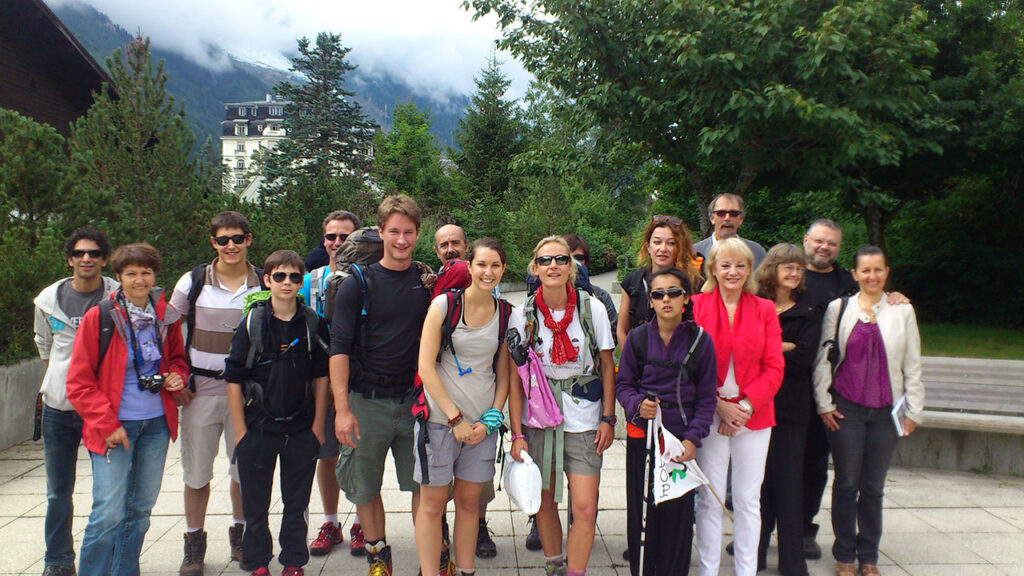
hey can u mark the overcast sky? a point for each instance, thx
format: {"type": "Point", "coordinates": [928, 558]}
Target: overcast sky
{"type": "Point", "coordinates": [433, 44]}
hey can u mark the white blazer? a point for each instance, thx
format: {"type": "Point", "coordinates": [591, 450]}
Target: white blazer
{"type": "Point", "coordinates": [898, 325]}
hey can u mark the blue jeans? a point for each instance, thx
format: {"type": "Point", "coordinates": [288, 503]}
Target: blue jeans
{"type": "Point", "coordinates": [862, 450]}
{"type": "Point", "coordinates": [125, 485]}
{"type": "Point", "coordinates": [62, 434]}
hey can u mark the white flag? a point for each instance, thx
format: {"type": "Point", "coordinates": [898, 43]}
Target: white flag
{"type": "Point", "coordinates": [672, 479]}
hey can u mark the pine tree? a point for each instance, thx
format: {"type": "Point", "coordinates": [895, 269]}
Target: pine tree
{"type": "Point", "coordinates": [132, 169]}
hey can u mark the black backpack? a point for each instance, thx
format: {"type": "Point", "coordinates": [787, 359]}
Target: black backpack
{"type": "Point", "coordinates": [107, 329]}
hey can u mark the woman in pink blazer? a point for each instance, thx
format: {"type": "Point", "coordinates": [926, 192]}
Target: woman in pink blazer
{"type": "Point", "coordinates": [748, 348]}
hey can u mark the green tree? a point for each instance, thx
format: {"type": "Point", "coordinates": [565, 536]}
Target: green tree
{"type": "Point", "coordinates": [132, 165]}
{"type": "Point", "coordinates": [730, 90]}
{"type": "Point", "coordinates": [328, 134]}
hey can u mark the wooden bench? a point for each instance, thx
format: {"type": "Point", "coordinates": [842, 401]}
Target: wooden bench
{"type": "Point", "coordinates": [974, 395]}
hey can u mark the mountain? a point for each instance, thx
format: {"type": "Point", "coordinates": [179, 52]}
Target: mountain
{"type": "Point", "coordinates": [204, 92]}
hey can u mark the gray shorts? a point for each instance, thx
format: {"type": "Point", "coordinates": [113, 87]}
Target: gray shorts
{"type": "Point", "coordinates": [579, 451]}
{"type": "Point", "coordinates": [449, 458]}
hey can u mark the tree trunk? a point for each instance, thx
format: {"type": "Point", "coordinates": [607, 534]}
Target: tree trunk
{"type": "Point", "coordinates": [747, 176]}
{"type": "Point", "coordinates": [875, 219]}
{"type": "Point", "coordinates": [703, 195]}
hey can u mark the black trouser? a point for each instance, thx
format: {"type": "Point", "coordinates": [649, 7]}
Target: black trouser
{"type": "Point", "coordinates": [782, 498]}
{"type": "Point", "coordinates": [815, 466]}
{"type": "Point", "coordinates": [669, 533]}
{"type": "Point", "coordinates": [257, 456]}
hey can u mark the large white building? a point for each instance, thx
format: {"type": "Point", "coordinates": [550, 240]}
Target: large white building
{"type": "Point", "coordinates": [247, 127]}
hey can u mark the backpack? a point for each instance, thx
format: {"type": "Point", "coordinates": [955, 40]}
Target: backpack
{"type": "Point", "coordinates": [362, 247]}
{"type": "Point", "coordinates": [198, 276]}
{"type": "Point", "coordinates": [833, 343]}
{"type": "Point", "coordinates": [638, 342]}
{"type": "Point", "coordinates": [255, 318]}
{"type": "Point", "coordinates": [107, 329]}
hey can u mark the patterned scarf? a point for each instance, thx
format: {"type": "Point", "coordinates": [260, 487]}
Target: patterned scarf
{"type": "Point", "coordinates": [562, 350]}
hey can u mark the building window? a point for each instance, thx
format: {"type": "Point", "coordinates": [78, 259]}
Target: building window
{"type": "Point", "coordinates": [274, 127]}
{"type": "Point", "coordinates": [240, 164]}
{"type": "Point", "coordinates": [276, 111]}
{"type": "Point", "coordinates": [254, 111]}
{"type": "Point", "coordinates": [240, 147]}
{"type": "Point", "coordinates": [241, 130]}
{"type": "Point", "coordinates": [241, 110]}
{"type": "Point", "coordinates": [239, 182]}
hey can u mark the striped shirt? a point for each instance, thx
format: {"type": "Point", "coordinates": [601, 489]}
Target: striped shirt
{"type": "Point", "coordinates": [218, 312]}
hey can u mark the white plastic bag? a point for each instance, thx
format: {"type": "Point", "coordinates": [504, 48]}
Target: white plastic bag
{"type": "Point", "coordinates": [523, 483]}
{"type": "Point", "coordinates": [673, 479]}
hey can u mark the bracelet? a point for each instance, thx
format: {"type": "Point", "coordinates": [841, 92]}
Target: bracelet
{"type": "Point", "coordinates": [453, 422]}
{"type": "Point", "coordinates": [517, 437]}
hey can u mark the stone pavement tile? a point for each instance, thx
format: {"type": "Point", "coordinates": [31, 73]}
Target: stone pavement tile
{"type": "Point", "coordinates": [1012, 569]}
{"type": "Point", "coordinates": [1014, 516]}
{"type": "Point", "coordinates": [908, 495]}
{"type": "Point", "coordinates": [20, 467]}
{"type": "Point", "coordinates": [954, 570]}
{"type": "Point", "coordinates": [22, 505]}
{"type": "Point", "coordinates": [928, 548]}
{"type": "Point", "coordinates": [22, 485]}
{"type": "Point", "coordinates": [964, 520]}
{"type": "Point", "coordinates": [23, 545]}
{"type": "Point", "coordinates": [894, 520]}
{"type": "Point", "coordinates": [996, 548]}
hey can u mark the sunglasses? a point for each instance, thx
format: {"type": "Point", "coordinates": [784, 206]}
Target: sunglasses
{"type": "Point", "coordinates": [724, 213]}
{"type": "Point", "coordinates": [81, 253]}
{"type": "Point", "coordinates": [671, 293]}
{"type": "Point", "coordinates": [661, 219]}
{"type": "Point", "coordinates": [280, 277]}
{"type": "Point", "coordinates": [580, 258]}
{"type": "Point", "coordinates": [561, 260]}
{"type": "Point", "coordinates": [332, 237]}
{"type": "Point", "coordinates": [238, 239]}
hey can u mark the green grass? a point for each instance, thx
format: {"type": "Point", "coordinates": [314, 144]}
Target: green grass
{"type": "Point", "coordinates": [972, 341]}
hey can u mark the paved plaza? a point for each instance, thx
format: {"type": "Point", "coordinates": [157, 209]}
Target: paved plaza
{"type": "Point", "coordinates": [936, 523]}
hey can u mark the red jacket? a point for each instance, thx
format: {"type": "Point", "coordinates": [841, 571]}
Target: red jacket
{"type": "Point", "coordinates": [97, 396]}
{"type": "Point", "coordinates": [755, 343]}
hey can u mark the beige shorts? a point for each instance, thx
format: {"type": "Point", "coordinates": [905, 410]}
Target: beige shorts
{"type": "Point", "coordinates": [202, 424]}
{"type": "Point", "coordinates": [579, 451]}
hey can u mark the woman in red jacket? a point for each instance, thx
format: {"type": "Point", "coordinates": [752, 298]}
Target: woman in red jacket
{"type": "Point", "coordinates": [748, 350]}
{"type": "Point", "coordinates": [126, 400]}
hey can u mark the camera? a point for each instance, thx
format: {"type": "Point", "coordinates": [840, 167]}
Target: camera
{"type": "Point", "coordinates": [152, 384]}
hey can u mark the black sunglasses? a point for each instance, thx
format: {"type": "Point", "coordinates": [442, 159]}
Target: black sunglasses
{"type": "Point", "coordinates": [561, 260]}
{"type": "Point", "coordinates": [661, 219]}
{"type": "Point", "coordinates": [81, 253]}
{"type": "Point", "coordinates": [238, 239]}
{"type": "Point", "coordinates": [724, 213]}
{"type": "Point", "coordinates": [671, 293]}
{"type": "Point", "coordinates": [332, 237]}
{"type": "Point", "coordinates": [279, 277]}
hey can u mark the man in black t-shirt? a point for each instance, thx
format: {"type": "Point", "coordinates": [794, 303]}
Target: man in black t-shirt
{"type": "Point", "coordinates": [373, 366]}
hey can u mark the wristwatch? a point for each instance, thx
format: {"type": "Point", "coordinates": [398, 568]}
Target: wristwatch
{"type": "Point", "coordinates": [610, 420]}
{"type": "Point", "coordinates": [746, 405]}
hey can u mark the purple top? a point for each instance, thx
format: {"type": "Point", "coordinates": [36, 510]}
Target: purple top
{"type": "Point", "coordinates": [863, 377]}
{"type": "Point", "coordinates": [660, 377]}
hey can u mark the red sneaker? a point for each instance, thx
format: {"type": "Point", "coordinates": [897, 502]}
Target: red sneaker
{"type": "Point", "coordinates": [356, 541]}
{"type": "Point", "coordinates": [261, 571]}
{"type": "Point", "coordinates": [325, 541]}
{"type": "Point", "coordinates": [293, 570]}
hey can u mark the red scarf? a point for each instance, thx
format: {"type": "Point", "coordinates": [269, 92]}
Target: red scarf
{"type": "Point", "coordinates": [562, 350]}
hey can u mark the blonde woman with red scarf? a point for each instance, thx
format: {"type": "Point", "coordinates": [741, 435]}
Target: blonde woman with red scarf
{"type": "Point", "coordinates": [570, 332]}
{"type": "Point", "coordinates": [748, 349]}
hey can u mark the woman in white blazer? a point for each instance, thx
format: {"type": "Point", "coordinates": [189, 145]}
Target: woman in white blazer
{"type": "Point", "coordinates": [879, 363]}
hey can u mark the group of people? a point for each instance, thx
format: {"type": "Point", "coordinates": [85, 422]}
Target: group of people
{"type": "Point", "coordinates": [757, 367]}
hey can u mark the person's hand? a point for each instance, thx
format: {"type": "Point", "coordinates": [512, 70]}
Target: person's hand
{"type": "Point", "coordinates": [184, 397]}
{"type": "Point", "coordinates": [726, 429]}
{"type": "Point", "coordinates": [648, 408]}
{"type": "Point", "coordinates": [463, 431]}
{"type": "Point", "coordinates": [119, 436]}
{"type": "Point", "coordinates": [732, 414]}
{"type": "Point", "coordinates": [318, 431]}
{"type": "Point", "coordinates": [689, 452]}
{"type": "Point", "coordinates": [238, 438]}
{"type": "Point", "coordinates": [909, 426]}
{"type": "Point", "coordinates": [787, 346]}
{"type": "Point", "coordinates": [173, 382]}
{"type": "Point", "coordinates": [477, 433]}
{"type": "Point", "coordinates": [895, 298]}
{"type": "Point", "coordinates": [831, 419]}
{"type": "Point", "coordinates": [518, 445]}
{"type": "Point", "coordinates": [603, 438]}
{"type": "Point", "coordinates": [346, 428]}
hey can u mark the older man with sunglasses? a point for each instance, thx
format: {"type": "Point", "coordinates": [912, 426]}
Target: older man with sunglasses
{"type": "Point", "coordinates": [727, 212]}
{"type": "Point", "coordinates": [211, 297]}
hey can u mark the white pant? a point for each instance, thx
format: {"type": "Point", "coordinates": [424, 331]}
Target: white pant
{"type": "Point", "coordinates": [749, 450]}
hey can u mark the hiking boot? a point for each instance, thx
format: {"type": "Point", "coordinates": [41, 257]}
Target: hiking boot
{"type": "Point", "coordinates": [293, 571]}
{"type": "Point", "coordinates": [380, 563]}
{"type": "Point", "coordinates": [485, 547]}
{"type": "Point", "coordinates": [261, 571]}
{"type": "Point", "coordinates": [325, 541]}
{"type": "Point", "coordinates": [235, 541]}
{"type": "Point", "coordinates": [625, 555]}
{"type": "Point", "coordinates": [730, 548]}
{"type": "Point", "coordinates": [811, 549]}
{"type": "Point", "coordinates": [195, 553]}
{"type": "Point", "coordinates": [553, 570]}
{"type": "Point", "coordinates": [446, 567]}
{"type": "Point", "coordinates": [59, 570]}
{"type": "Point", "coordinates": [356, 540]}
{"type": "Point", "coordinates": [533, 539]}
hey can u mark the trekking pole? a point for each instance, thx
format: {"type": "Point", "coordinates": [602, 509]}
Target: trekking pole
{"type": "Point", "coordinates": [648, 493]}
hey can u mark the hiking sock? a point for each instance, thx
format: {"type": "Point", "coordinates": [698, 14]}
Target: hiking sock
{"type": "Point", "coordinates": [555, 560]}
{"type": "Point", "coordinates": [374, 548]}
{"type": "Point", "coordinates": [332, 518]}
{"type": "Point", "coordinates": [192, 530]}
{"type": "Point", "coordinates": [575, 573]}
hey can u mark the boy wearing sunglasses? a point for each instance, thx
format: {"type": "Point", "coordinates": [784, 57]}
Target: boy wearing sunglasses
{"type": "Point", "coordinates": [210, 298]}
{"type": "Point", "coordinates": [58, 310]}
{"type": "Point", "coordinates": [727, 212]}
{"type": "Point", "coordinates": [277, 395]}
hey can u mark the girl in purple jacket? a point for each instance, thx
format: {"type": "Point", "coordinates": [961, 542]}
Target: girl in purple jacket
{"type": "Point", "coordinates": [687, 399]}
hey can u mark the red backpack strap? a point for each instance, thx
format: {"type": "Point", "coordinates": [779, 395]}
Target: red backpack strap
{"type": "Point", "coordinates": [451, 320]}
